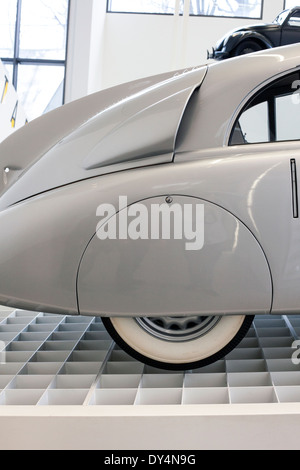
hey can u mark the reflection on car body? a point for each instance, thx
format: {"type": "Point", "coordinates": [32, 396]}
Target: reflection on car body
{"type": "Point", "coordinates": [284, 30]}
{"type": "Point", "coordinates": [224, 136]}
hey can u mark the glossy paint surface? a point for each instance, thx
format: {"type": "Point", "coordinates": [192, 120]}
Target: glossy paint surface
{"type": "Point", "coordinates": [139, 126]}
{"type": "Point", "coordinates": [51, 258]}
{"type": "Point", "coordinates": [161, 276]}
{"type": "Point", "coordinates": [282, 31]}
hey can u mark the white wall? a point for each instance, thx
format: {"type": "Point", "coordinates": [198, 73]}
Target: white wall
{"type": "Point", "coordinates": [106, 49]}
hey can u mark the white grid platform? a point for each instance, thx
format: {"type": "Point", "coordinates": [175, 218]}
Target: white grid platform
{"type": "Point", "coordinates": [63, 367]}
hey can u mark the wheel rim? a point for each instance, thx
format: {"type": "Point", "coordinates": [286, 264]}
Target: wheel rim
{"type": "Point", "coordinates": [178, 329]}
{"type": "Point", "coordinates": [248, 50]}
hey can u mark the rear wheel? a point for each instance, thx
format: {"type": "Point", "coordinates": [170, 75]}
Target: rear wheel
{"type": "Point", "coordinates": [178, 343]}
{"type": "Point", "coordinates": [246, 47]}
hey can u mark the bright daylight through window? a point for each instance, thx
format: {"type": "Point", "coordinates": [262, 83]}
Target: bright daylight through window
{"type": "Point", "coordinates": [234, 8]}
{"type": "Point", "coordinates": [33, 37]}
{"type": "Point", "coordinates": [291, 3]}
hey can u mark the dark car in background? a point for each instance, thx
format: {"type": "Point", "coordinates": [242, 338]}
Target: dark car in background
{"type": "Point", "coordinates": [284, 30]}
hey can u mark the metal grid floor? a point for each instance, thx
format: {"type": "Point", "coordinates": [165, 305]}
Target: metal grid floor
{"type": "Point", "coordinates": [62, 360]}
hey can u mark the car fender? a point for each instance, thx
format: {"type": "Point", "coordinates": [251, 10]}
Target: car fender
{"type": "Point", "coordinates": [53, 260]}
{"type": "Point", "coordinates": [236, 38]}
{"type": "Point", "coordinates": [129, 126]}
{"type": "Point", "coordinates": [221, 271]}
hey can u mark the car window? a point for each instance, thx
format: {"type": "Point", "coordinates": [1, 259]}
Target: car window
{"type": "Point", "coordinates": [254, 123]}
{"type": "Point", "coordinates": [273, 115]}
{"type": "Point", "coordinates": [295, 20]}
{"type": "Point", "coordinates": [280, 19]}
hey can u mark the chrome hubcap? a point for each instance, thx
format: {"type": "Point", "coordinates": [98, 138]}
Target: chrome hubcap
{"type": "Point", "coordinates": [178, 329]}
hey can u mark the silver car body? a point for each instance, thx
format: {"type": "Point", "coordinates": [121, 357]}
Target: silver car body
{"type": "Point", "coordinates": [157, 138]}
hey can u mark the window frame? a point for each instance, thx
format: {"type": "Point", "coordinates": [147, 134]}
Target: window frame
{"type": "Point", "coordinates": [134, 12]}
{"type": "Point", "coordinates": [263, 94]}
{"type": "Point", "coordinates": [17, 60]}
{"type": "Point", "coordinates": [190, 14]}
{"type": "Point", "coordinates": [260, 17]}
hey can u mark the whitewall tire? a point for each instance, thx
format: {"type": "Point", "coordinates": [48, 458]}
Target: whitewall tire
{"type": "Point", "coordinates": [178, 343]}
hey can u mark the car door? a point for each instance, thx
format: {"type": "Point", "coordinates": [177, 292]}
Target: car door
{"type": "Point", "coordinates": [291, 29]}
{"type": "Point", "coordinates": [268, 129]}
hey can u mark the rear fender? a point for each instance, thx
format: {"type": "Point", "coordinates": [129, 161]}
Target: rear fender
{"type": "Point", "coordinates": [127, 126]}
{"type": "Point", "coordinates": [225, 272]}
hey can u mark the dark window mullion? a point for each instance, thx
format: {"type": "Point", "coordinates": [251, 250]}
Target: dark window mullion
{"type": "Point", "coordinates": [272, 119]}
{"type": "Point", "coordinates": [17, 43]}
{"type": "Point", "coordinates": [27, 60]}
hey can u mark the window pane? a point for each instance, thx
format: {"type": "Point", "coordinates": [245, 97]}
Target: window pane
{"type": "Point", "coordinates": [40, 88]}
{"type": "Point", "coordinates": [43, 29]}
{"type": "Point", "coordinates": [295, 20]}
{"type": "Point", "coordinates": [9, 69]}
{"type": "Point", "coordinates": [255, 124]}
{"type": "Point", "coordinates": [7, 27]}
{"type": "Point", "coordinates": [291, 3]}
{"type": "Point", "coordinates": [272, 115]}
{"type": "Point", "coordinates": [238, 8]}
{"type": "Point", "coordinates": [287, 118]}
{"type": "Point", "coordinates": [142, 6]}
